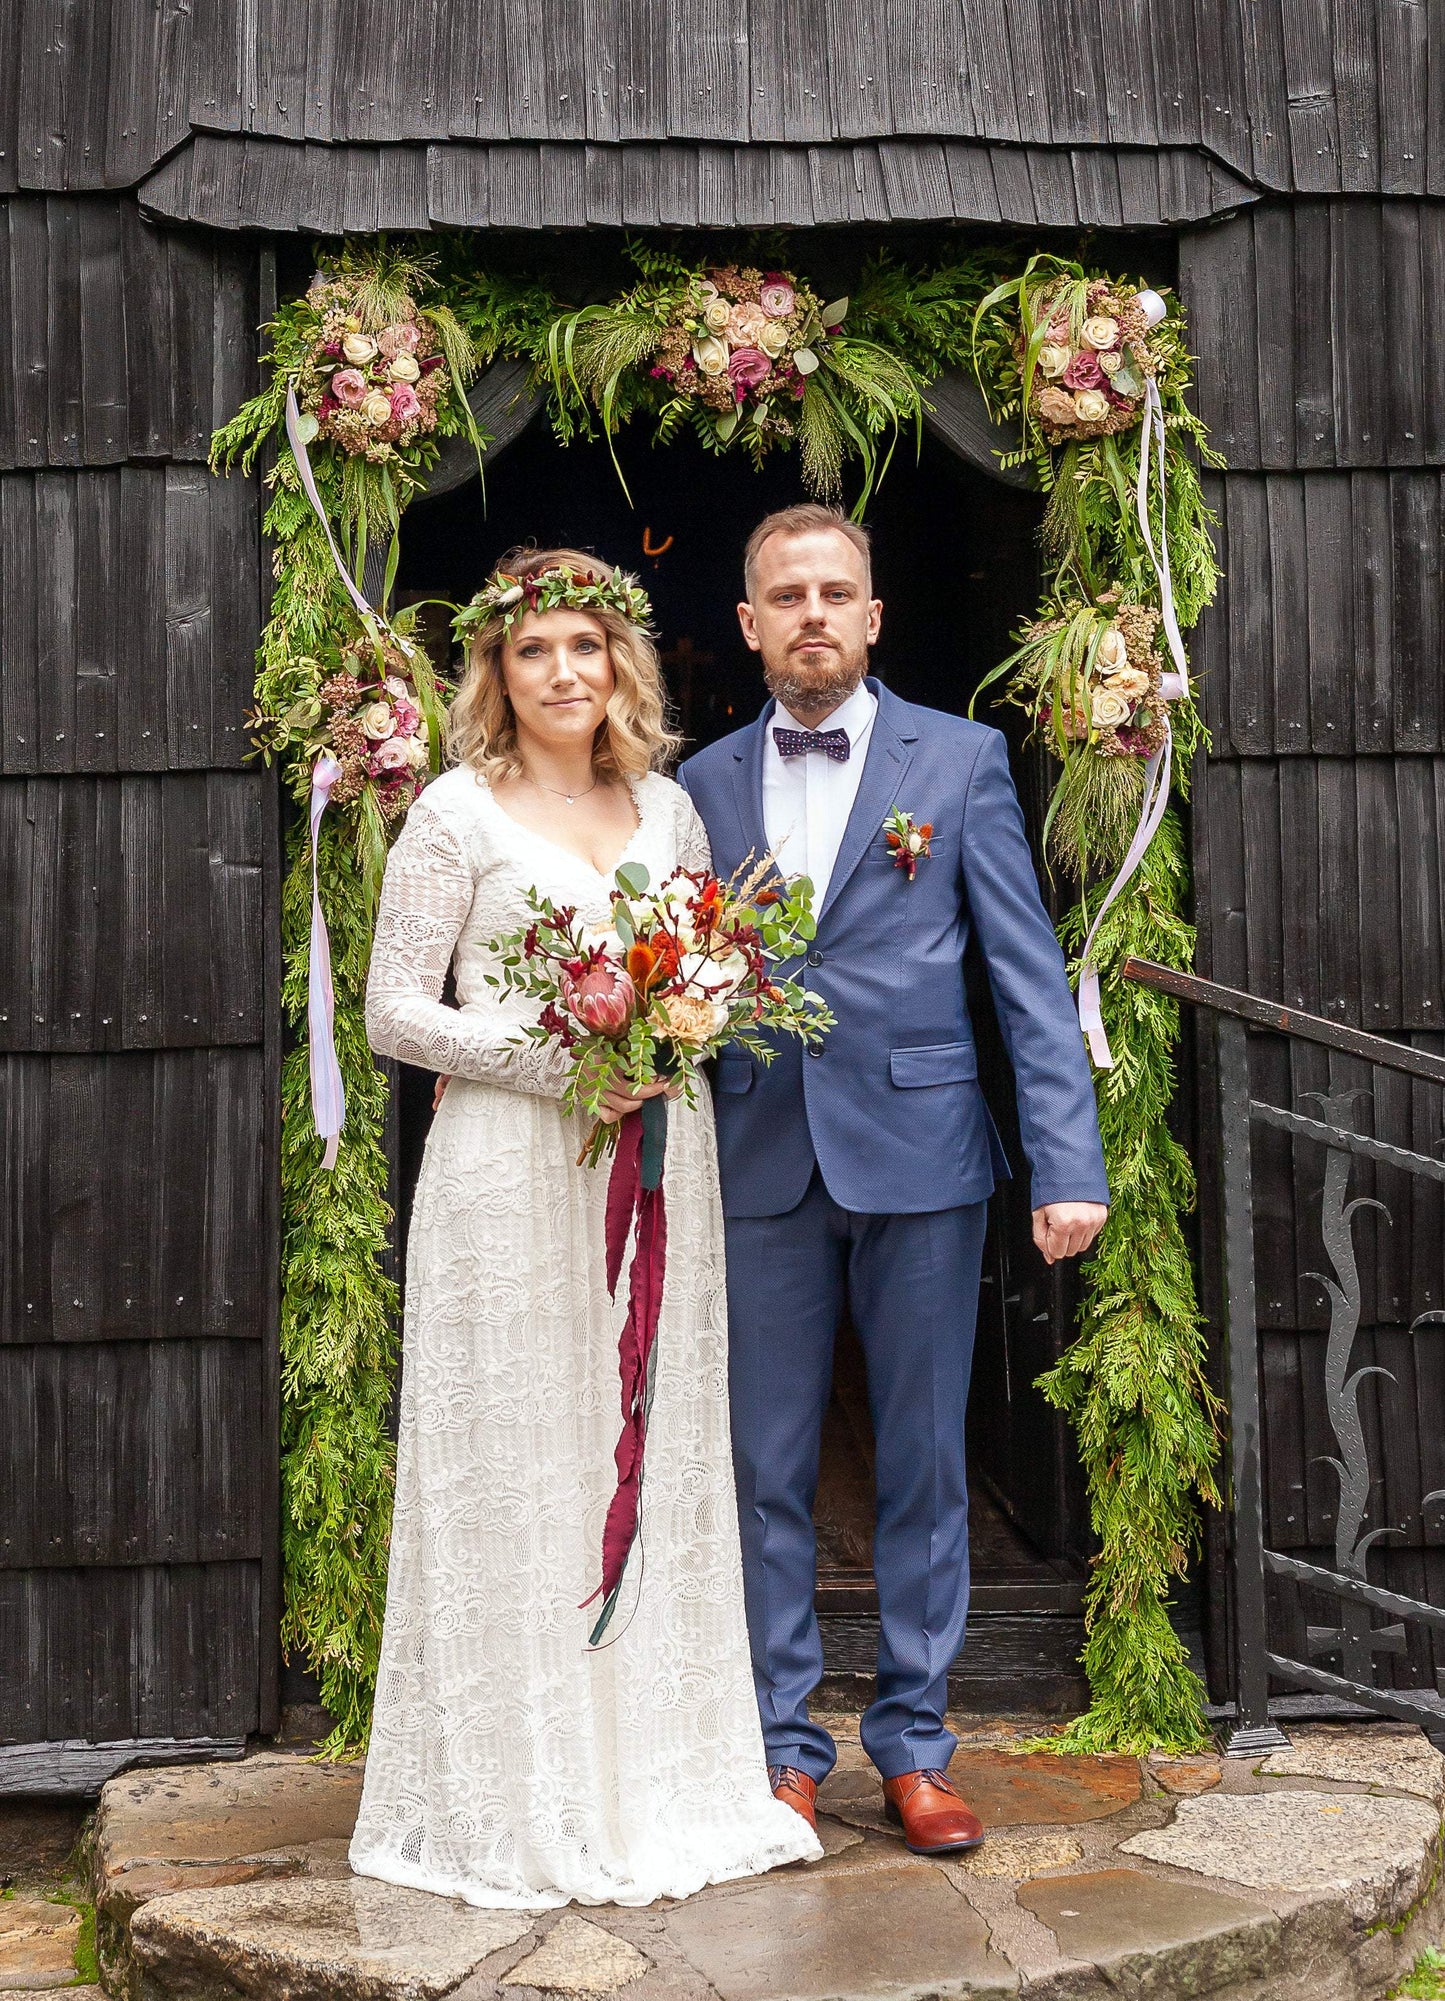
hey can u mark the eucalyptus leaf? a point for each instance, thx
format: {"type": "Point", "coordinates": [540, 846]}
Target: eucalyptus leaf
{"type": "Point", "coordinates": [804, 360]}
{"type": "Point", "coordinates": [632, 879]}
{"type": "Point", "coordinates": [726, 424]}
{"type": "Point", "coordinates": [834, 315]}
{"type": "Point", "coordinates": [307, 427]}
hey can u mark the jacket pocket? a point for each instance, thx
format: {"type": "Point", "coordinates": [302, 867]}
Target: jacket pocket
{"type": "Point", "coordinates": [940, 1063]}
{"type": "Point", "coordinates": [734, 1073]}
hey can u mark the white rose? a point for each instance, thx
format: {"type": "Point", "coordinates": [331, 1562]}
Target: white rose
{"type": "Point", "coordinates": [1108, 709]}
{"type": "Point", "coordinates": [378, 720]}
{"type": "Point", "coordinates": [1053, 359]}
{"type": "Point", "coordinates": [376, 408]}
{"type": "Point", "coordinates": [416, 751]}
{"type": "Point", "coordinates": [359, 348]}
{"type": "Point", "coordinates": [1113, 653]}
{"type": "Point", "coordinates": [717, 977]}
{"type": "Point", "coordinates": [603, 936]}
{"type": "Point", "coordinates": [1101, 332]}
{"type": "Point", "coordinates": [1091, 406]}
{"type": "Point", "coordinates": [710, 354]}
{"type": "Point", "coordinates": [394, 685]}
{"type": "Point", "coordinates": [773, 338]}
{"type": "Point", "coordinates": [715, 314]}
{"type": "Point", "coordinates": [1111, 362]}
{"type": "Point", "coordinates": [405, 368]}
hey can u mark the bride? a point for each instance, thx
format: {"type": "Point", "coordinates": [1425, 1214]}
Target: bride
{"type": "Point", "coordinates": [509, 1765]}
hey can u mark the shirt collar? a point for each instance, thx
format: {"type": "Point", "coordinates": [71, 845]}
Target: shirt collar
{"type": "Point", "coordinates": [855, 716]}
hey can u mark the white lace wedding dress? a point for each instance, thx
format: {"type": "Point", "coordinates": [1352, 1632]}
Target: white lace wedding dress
{"type": "Point", "coordinates": [509, 1765]}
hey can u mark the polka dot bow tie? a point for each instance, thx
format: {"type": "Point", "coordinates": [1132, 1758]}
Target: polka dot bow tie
{"type": "Point", "coordinates": [797, 743]}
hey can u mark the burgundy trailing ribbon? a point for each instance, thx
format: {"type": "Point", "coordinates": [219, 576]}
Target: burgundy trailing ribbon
{"type": "Point", "coordinates": [633, 1192]}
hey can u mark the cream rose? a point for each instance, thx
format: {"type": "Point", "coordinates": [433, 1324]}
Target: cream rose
{"type": "Point", "coordinates": [376, 408]}
{"type": "Point", "coordinates": [405, 368]}
{"type": "Point", "coordinates": [1052, 359]}
{"type": "Point", "coordinates": [1091, 406]}
{"type": "Point", "coordinates": [1108, 709]}
{"type": "Point", "coordinates": [1111, 362]}
{"type": "Point", "coordinates": [378, 720]}
{"type": "Point", "coordinates": [745, 324]}
{"type": "Point", "coordinates": [359, 348]}
{"type": "Point", "coordinates": [715, 315]}
{"type": "Point", "coordinates": [1100, 332]}
{"type": "Point", "coordinates": [1131, 682]}
{"type": "Point", "coordinates": [690, 1019]}
{"type": "Point", "coordinates": [773, 339]}
{"type": "Point", "coordinates": [1113, 653]}
{"type": "Point", "coordinates": [710, 354]}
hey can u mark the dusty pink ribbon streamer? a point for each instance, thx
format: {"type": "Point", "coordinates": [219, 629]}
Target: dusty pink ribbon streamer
{"type": "Point", "coordinates": [1172, 686]}
{"type": "Point", "coordinates": [328, 1093]}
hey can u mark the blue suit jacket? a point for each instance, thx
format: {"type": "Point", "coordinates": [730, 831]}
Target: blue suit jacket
{"type": "Point", "coordinates": [891, 1110]}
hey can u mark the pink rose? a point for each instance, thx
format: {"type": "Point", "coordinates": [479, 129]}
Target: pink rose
{"type": "Point", "coordinates": [348, 386]}
{"type": "Point", "coordinates": [747, 367]}
{"type": "Point", "coordinates": [391, 756]}
{"type": "Point", "coordinates": [1083, 372]}
{"type": "Point", "coordinates": [405, 404]}
{"type": "Point", "coordinates": [776, 298]}
{"type": "Point", "coordinates": [407, 714]}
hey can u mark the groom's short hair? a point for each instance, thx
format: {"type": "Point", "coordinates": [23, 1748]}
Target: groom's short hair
{"type": "Point", "coordinates": [804, 519]}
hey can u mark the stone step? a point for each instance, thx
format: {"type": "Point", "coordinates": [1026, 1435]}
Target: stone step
{"type": "Point", "coordinates": [1101, 1878]}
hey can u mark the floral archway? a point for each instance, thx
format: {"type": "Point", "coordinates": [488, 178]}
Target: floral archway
{"type": "Point", "coordinates": [367, 375]}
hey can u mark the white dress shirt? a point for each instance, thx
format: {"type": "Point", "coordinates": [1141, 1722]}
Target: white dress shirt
{"type": "Point", "coordinates": [807, 800]}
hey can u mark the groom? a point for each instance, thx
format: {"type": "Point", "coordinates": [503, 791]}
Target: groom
{"type": "Point", "coordinates": [863, 1168]}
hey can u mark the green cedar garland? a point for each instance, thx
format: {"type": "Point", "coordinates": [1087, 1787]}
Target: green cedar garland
{"type": "Point", "coordinates": [1133, 1382]}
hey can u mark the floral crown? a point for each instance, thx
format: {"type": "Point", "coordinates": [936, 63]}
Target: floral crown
{"type": "Point", "coordinates": [551, 590]}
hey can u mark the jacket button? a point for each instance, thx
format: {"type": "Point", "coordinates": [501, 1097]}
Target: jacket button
{"type": "Point", "coordinates": [815, 958]}
{"type": "Point", "coordinates": [815, 1048]}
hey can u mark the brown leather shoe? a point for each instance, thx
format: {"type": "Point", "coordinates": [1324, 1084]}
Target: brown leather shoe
{"type": "Point", "coordinates": [795, 1789]}
{"type": "Point", "coordinates": [934, 1819]}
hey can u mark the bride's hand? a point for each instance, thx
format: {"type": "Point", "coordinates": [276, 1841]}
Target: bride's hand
{"type": "Point", "coordinates": [439, 1092]}
{"type": "Point", "coordinates": [617, 1103]}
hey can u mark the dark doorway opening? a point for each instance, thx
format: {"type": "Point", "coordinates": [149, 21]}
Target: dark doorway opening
{"type": "Point", "coordinates": [956, 565]}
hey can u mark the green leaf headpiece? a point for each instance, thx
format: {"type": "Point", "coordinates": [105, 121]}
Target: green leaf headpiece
{"type": "Point", "coordinates": [552, 590]}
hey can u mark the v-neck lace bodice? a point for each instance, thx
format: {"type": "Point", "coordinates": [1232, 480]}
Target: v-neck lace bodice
{"type": "Point", "coordinates": [457, 878]}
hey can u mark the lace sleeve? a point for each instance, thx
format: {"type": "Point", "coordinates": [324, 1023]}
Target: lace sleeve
{"type": "Point", "coordinates": [425, 899]}
{"type": "Point", "coordinates": [693, 848]}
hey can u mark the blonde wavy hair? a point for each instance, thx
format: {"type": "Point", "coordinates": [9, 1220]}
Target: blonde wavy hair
{"type": "Point", "coordinates": [636, 735]}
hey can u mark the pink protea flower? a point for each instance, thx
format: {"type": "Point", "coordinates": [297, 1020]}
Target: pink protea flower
{"type": "Point", "coordinates": [600, 995]}
{"type": "Point", "coordinates": [1083, 372]}
{"type": "Point", "coordinates": [348, 386]}
{"type": "Point", "coordinates": [747, 367]}
{"type": "Point", "coordinates": [777, 297]}
{"type": "Point", "coordinates": [405, 404]}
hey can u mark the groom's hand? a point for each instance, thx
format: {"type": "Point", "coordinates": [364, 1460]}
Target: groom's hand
{"type": "Point", "coordinates": [1066, 1229]}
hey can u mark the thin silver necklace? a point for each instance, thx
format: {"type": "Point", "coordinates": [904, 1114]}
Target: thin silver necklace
{"type": "Point", "coordinates": [570, 797]}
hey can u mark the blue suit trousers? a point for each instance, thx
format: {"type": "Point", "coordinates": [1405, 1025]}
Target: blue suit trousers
{"type": "Point", "coordinates": [911, 1283]}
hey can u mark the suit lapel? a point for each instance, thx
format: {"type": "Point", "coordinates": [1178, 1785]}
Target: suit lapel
{"type": "Point", "coordinates": [748, 786]}
{"type": "Point", "coordinates": [888, 758]}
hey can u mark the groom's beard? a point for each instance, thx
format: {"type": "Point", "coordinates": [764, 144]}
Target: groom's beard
{"type": "Point", "coordinates": [813, 688]}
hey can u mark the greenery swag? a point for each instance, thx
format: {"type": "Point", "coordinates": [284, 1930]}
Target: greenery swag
{"type": "Point", "coordinates": [380, 352]}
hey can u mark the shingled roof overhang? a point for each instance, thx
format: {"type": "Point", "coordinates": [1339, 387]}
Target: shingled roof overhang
{"type": "Point", "coordinates": [280, 185]}
{"type": "Point", "coordinates": [352, 114]}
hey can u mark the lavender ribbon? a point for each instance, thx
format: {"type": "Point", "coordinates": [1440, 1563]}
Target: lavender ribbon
{"type": "Point", "coordinates": [328, 1093]}
{"type": "Point", "coordinates": [1173, 687]}
{"type": "Point", "coordinates": [308, 484]}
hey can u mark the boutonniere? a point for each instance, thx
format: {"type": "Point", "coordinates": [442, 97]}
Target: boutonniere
{"type": "Point", "coordinates": [908, 839]}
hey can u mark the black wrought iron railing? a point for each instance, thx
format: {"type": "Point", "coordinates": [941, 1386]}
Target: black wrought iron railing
{"type": "Point", "coordinates": [1351, 1640]}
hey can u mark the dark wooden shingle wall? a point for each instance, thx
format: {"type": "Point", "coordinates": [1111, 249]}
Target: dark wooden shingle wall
{"type": "Point", "coordinates": [137, 1013]}
{"type": "Point", "coordinates": [1319, 818]}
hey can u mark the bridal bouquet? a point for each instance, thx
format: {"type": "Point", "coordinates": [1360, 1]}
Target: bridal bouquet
{"type": "Point", "coordinates": [674, 974]}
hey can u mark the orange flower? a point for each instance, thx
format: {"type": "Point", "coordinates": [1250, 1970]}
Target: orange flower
{"type": "Point", "coordinates": [651, 960]}
{"type": "Point", "coordinates": [926, 830]}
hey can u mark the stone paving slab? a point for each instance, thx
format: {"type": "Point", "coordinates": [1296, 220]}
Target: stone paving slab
{"type": "Point", "coordinates": [1394, 1756]}
{"type": "Point", "coordinates": [1004, 1788]}
{"type": "Point", "coordinates": [37, 1944]}
{"type": "Point", "coordinates": [315, 1941]}
{"type": "Point", "coordinates": [1143, 1931]}
{"type": "Point", "coordinates": [899, 1933]}
{"type": "Point", "coordinates": [579, 1957]}
{"type": "Point", "coordinates": [1372, 1852]}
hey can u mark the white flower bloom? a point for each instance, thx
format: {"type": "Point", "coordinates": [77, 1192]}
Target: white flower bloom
{"type": "Point", "coordinates": [1053, 359]}
{"type": "Point", "coordinates": [710, 354]}
{"type": "Point", "coordinates": [359, 348]}
{"type": "Point", "coordinates": [718, 977]}
{"type": "Point", "coordinates": [1101, 331]}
